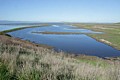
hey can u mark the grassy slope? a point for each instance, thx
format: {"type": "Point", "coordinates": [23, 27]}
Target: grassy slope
{"type": "Point", "coordinates": [112, 33]}
{"type": "Point", "coordinates": [22, 60]}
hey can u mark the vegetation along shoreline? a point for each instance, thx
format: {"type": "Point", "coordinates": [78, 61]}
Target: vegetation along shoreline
{"type": "Point", "coordinates": [110, 35]}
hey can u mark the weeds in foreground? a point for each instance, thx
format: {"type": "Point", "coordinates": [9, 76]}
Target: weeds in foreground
{"type": "Point", "coordinates": [20, 63]}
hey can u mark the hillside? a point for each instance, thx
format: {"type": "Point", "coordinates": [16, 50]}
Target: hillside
{"type": "Point", "coordinates": [22, 60]}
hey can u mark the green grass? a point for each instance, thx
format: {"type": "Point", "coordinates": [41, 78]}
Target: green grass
{"type": "Point", "coordinates": [4, 72]}
{"type": "Point", "coordinates": [111, 32]}
{"type": "Point", "coordinates": [95, 63]}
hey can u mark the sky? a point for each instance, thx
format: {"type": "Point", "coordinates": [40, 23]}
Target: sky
{"type": "Point", "coordinates": [101, 11]}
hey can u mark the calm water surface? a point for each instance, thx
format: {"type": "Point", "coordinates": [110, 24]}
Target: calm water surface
{"type": "Point", "coordinates": [73, 43]}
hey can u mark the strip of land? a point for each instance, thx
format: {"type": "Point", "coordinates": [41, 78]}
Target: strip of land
{"type": "Point", "coordinates": [57, 33]}
{"type": "Point", "coordinates": [15, 29]}
{"type": "Point", "coordinates": [111, 34]}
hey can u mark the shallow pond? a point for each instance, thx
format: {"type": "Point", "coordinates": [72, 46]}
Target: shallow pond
{"type": "Point", "coordinates": [71, 43]}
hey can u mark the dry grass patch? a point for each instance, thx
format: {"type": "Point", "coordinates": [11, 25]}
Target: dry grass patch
{"type": "Point", "coordinates": [19, 62]}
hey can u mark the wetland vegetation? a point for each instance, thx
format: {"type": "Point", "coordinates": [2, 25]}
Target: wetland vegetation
{"type": "Point", "coordinates": [57, 32]}
{"type": "Point", "coordinates": [111, 34]}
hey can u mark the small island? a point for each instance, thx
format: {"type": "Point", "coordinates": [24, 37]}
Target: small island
{"type": "Point", "coordinates": [59, 33]}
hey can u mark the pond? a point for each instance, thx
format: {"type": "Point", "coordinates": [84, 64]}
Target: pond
{"type": "Point", "coordinates": [70, 43]}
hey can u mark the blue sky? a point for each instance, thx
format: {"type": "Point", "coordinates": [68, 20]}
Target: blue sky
{"type": "Point", "coordinates": [60, 10]}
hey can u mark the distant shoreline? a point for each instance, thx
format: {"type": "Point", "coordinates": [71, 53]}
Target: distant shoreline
{"type": "Point", "coordinates": [15, 29]}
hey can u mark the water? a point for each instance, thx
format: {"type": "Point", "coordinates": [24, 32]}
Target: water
{"type": "Point", "coordinates": [71, 43]}
{"type": "Point", "coordinates": [8, 27]}
{"type": "Point", "coordinates": [62, 28]}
